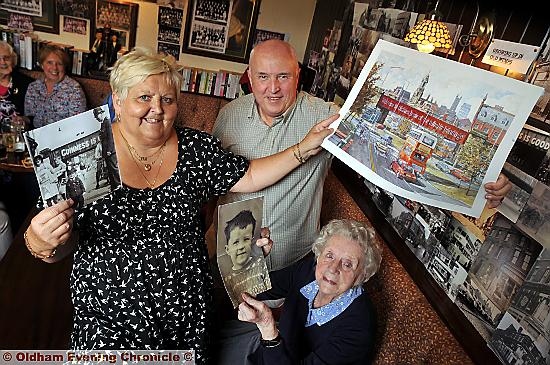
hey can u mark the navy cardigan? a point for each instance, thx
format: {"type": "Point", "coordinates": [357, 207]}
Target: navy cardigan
{"type": "Point", "coordinates": [347, 339]}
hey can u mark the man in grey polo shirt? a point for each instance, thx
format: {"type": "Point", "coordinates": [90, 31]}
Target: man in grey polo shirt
{"type": "Point", "coordinates": [269, 120]}
{"type": "Point", "coordinates": [274, 117]}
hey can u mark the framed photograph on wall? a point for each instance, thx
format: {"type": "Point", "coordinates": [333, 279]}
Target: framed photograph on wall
{"type": "Point", "coordinates": [221, 29]}
{"type": "Point", "coordinates": [261, 35]}
{"type": "Point", "coordinates": [120, 18]}
{"type": "Point", "coordinates": [32, 8]}
{"type": "Point", "coordinates": [47, 22]}
{"type": "Point", "coordinates": [76, 9]}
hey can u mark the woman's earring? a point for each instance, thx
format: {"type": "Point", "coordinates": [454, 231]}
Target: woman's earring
{"type": "Point", "coordinates": [117, 118]}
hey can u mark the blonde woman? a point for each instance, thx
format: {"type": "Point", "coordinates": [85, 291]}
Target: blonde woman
{"type": "Point", "coordinates": [140, 276]}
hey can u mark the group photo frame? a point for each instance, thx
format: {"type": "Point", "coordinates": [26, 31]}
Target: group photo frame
{"type": "Point", "coordinates": [47, 21]}
{"type": "Point", "coordinates": [221, 29]}
{"type": "Point", "coordinates": [120, 17]}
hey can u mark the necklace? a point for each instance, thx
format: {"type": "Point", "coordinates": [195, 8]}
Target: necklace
{"type": "Point", "coordinates": [144, 160]}
{"type": "Point", "coordinates": [152, 184]}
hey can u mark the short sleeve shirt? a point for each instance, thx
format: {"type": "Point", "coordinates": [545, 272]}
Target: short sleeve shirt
{"type": "Point", "coordinates": [292, 206]}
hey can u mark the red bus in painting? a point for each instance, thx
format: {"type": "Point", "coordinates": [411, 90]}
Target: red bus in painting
{"type": "Point", "coordinates": [418, 149]}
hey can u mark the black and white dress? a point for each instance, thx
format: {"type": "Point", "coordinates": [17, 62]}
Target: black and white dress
{"type": "Point", "coordinates": [140, 277]}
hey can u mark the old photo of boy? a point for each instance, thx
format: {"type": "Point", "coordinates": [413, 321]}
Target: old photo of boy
{"type": "Point", "coordinates": [241, 262]}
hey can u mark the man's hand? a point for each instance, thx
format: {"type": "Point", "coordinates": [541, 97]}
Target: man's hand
{"type": "Point", "coordinates": [496, 191]}
{"type": "Point", "coordinates": [265, 242]}
{"type": "Point", "coordinates": [311, 144]}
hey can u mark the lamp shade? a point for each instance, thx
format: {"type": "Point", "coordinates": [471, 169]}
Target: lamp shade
{"type": "Point", "coordinates": [428, 35]}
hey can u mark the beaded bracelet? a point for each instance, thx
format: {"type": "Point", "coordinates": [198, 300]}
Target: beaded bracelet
{"type": "Point", "coordinates": [298, 155]}
{"type": "Point", "coordinates": [34, 253]}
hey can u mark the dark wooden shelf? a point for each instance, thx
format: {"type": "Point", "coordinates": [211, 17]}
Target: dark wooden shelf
{"type": "Point", "coordinates": [474, 344]}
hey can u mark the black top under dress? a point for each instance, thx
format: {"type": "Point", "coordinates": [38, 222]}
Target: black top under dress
{"type": "Point", "coordinates": [141, 278]}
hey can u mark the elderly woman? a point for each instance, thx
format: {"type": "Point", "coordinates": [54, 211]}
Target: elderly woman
{"type": "Point", "coordinates": [13, 85]}
{"type": "Point", "coordinates": [54, 96]}
{"type": "Point", "coordinates": [140, 276]}
{"type": "Point", "coordinates": [327, 317]}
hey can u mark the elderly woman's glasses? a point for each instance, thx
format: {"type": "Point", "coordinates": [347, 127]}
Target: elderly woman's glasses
{"type": "Point", "coordinates": [5, 58]}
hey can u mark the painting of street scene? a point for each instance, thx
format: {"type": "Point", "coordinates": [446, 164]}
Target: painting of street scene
{"type": "Point", "coordinates": [430, 129]}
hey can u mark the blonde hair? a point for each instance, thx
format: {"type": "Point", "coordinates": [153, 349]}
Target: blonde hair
{"type": "Point", "coordinates": [11, 52]}
{"type": "Point", "coordinates": [134, 67]}
{"type": "Point", "coordinates": [355, 231]}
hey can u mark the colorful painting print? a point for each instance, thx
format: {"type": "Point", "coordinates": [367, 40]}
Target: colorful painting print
{"type": "Point", "coordinates": [428, 128]}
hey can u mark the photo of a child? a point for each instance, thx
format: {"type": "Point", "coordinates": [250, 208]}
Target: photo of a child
{"type": "Point", "coordinates": [241, 262]}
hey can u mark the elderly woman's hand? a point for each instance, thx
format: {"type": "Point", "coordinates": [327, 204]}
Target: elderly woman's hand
{"type": "Point", "coordinates": [49, 229]}
{"type": "Point", "coordinates": [265, 242]}
{"type": "Point", "coordinates": [254, 311]}
{"type": "Point", "coordinates": [311, 144]}
{"type": "Point", "coordinates": [496, 191]}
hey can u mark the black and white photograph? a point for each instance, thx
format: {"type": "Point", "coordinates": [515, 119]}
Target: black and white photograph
{"type": "Point", "coordinates": [522, 186]}
{"type": "Point", "coordinates": [20, 21]}
{"type": "Point", "coordinates": [117, 15]}
{"type": "Point", "coordinates": [75, 158]}
{"type": "Point", "coordinates": [261, 35]}
{"type": "Point", "coordinates": [74, 8]}
{"type": "Point", "coordinates": [117, 19]}
{"type": "Point", "coordinates": [543, 173]}
{"type": "Point", "coordinates": [74, 25]}
{"type": "Point", "coordinates": [170, 17]}
{"type": "Point", "coordinates": [169, 49]}
{"type": "Point", "coordinates": [541, 77]}
{"type": "Point", "coordinates": [216, 11]}
{"type": "Point", "coordinates": [178, 4]}
{"type": "Point", "coordinates": [27, 7]}
{"type": "Point", "coordinates": [534, 219]}
{"type": "Point", "coordinates": [168, 34]}
{"type": "Point", "coordinates": [382, 199]}
{"type": "Point", "coordinates": [335, 36]}
{"type": "Point", "coordinates": [208, 36]}
{"type": "Point", "coordinates": [531, 305]}
{"type": "Point", "coordinates": [446, 271]}
{"type": "Point", "coordinates": [513, 345]}
{"type": "Point", "coordinates": [514, 202]}
{"type": "Point", "coordinates": [461, 243]}
{"type": "Point", "coordinates": [241, 262]}
{"type": "Point", "coordinates": [211, 25]}
{"type": "Point", "coordinates": [313, 61]}
{"type": "Point", "coordinates": [500, 268]}
{"type": "Point", "coordinates": [401, 215]}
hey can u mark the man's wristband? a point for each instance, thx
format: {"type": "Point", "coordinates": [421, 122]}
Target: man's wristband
{"type": "Point", "coordinates": [271, 343]}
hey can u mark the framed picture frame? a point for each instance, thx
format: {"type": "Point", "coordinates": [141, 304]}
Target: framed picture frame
{"type": "Point", "coordinates": [48, 22]}
{"type": "Point", "coordinates": [118, 16]}
{"type": "Point", "coordinates": [221, 29]}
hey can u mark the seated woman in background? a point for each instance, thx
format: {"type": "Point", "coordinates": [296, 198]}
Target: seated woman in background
{"type": "Point", "coordinates": [13, 85]}
{"type": "Point", "coordinates": [327, 317]}
{"type": "Point", "coordinates": [54, 96]}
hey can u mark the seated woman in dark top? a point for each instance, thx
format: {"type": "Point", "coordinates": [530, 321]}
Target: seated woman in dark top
{"type": "Point", "coordinates": [327, 317]}
{"type": "Point", "coordinates": [13, 85]}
